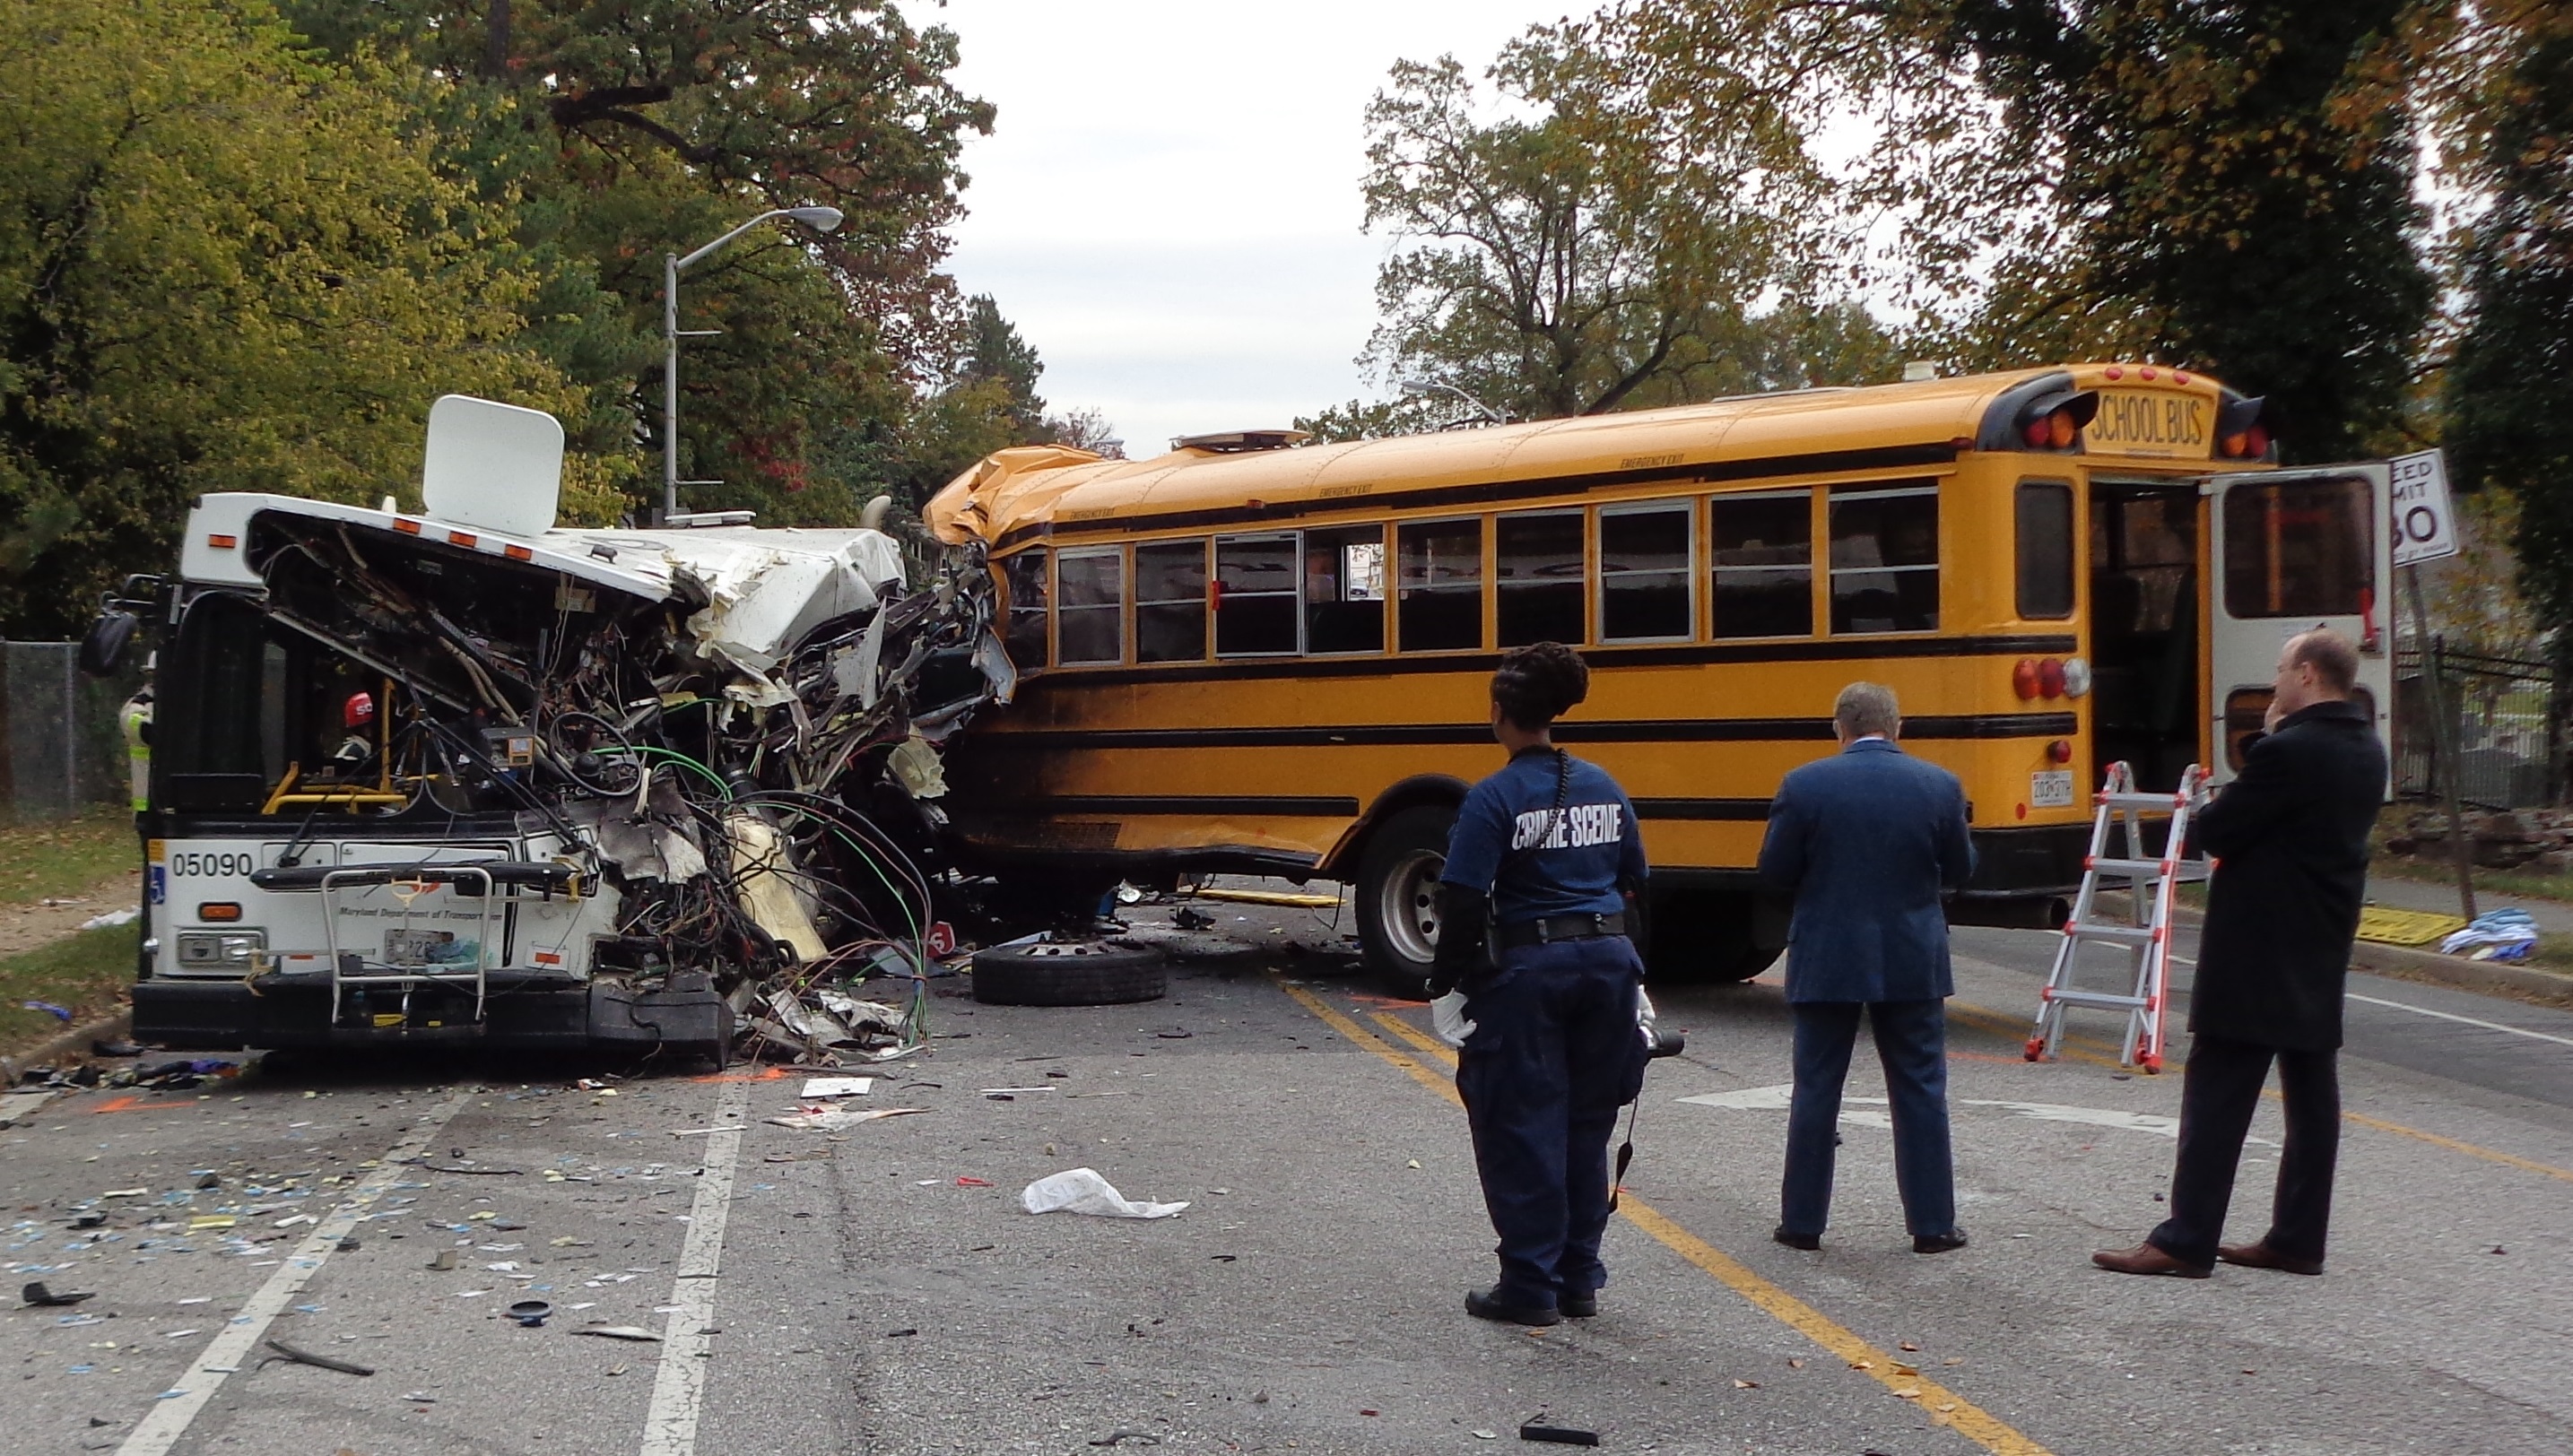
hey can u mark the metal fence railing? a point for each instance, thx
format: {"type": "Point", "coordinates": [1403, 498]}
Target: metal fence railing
{"type": "Point", "coordinates": [62, 749]}
{"type": "Point", "coordinates": [2509, 727]}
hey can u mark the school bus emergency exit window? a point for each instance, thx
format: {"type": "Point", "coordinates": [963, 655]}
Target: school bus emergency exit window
{"type": "Point", "coordinates": [1885, 558]}
{"type": "Point", "coordinates": [1763, 549]}
{"type": "Point", "coordinates": [2045, 511]}
{"type": "Point", "coordinates": [1538, 565]}
{"type": "Point", "coordinates": [1171, 601]}
{"type": "Point", "coordinates": [1440, 582]}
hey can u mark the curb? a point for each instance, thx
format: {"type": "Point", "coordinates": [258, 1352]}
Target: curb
{"type": "Point", "coordinates": [77, 1038]}
{"type": "Point", "coordinates": [2484, 978]}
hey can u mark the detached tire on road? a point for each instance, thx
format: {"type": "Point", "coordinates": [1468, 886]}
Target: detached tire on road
{"type": "Point", "coordinates": [1396, 888]}
{"type": "Point", "coordinates": [1069, 973]}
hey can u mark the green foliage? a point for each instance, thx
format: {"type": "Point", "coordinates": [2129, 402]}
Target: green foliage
{"type": "Point", "coordinates": [2507, 427]}
{"type": "Point", "coordinates": [2225, 185]}
{"type": "Point", "coordinates": [1589, 258]}
{"type": "Point", "coordinates": [86, 975]}
{"type": "Point", "coordinates": [994, 351]}
{"type": "Point", "coordinates": [633, 129]}
{"type": "Point", "coordinates": [223, 267]}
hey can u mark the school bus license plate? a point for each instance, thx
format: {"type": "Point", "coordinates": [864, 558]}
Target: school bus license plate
{"type": "Point", "coordinates": [2051, 788]}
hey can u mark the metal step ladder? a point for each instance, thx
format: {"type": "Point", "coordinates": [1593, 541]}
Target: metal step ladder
{"type": "Point", "coordinates": [2152, 888]}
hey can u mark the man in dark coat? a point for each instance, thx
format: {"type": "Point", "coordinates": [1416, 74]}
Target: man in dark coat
{"type": "Point", "coordinates": [1867, 839]}
{"type": "Point", "coordinates": [2290, 840]}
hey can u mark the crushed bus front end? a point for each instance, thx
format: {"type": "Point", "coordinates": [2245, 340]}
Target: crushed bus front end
{"type": "Point", "coordinates": [459, 776]}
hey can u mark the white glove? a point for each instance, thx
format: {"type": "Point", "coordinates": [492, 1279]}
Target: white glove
{"type": "Point", "coordinates": [1645, 1016]}
{"type": "Point", "coordinates": [1448, 1018]}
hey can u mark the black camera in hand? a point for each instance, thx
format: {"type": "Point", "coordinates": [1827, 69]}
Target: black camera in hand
{"type": "Point", "coordinates": [1660, 1040]}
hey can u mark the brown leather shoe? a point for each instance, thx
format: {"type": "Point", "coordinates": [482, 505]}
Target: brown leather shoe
{"type": "Point", "coordinates": [2145, 1258]}
{"type": "Point", "coordinates": [2262, 1257]}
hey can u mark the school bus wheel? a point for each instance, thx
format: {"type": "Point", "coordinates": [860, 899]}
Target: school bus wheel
{"type": "Point", "coordinates": [1397, 896]}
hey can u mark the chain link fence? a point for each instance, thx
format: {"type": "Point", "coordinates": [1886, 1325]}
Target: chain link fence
{"type": "Point", "coordinates": [2509, 727]}
{"type": "Point", "coordinates": [62, 747]}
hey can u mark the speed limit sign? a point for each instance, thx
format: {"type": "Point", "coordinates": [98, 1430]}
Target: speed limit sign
{"type": "Point", "coordinates": [2424, 527]}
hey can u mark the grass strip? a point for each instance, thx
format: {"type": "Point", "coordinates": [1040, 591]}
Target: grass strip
{"type": "Point", "coordinates": [66, 856]}
{"type": "Point", "coordinates": [88, 973]}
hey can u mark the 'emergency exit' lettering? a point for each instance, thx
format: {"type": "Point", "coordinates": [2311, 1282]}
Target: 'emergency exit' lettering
{"type": "Point", "coordinates": [1582, 824]}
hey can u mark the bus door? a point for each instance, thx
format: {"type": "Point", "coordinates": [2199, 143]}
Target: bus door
{"type": "Point", "coordinates": [2292, 550]}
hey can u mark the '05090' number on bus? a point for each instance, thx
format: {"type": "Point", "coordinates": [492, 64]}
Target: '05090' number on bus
{"type": "Point", "coordinates": [212, 863]}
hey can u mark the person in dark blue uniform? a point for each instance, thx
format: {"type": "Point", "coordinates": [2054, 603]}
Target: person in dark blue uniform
{"type": "Point", "coordinates": [1539, 867]}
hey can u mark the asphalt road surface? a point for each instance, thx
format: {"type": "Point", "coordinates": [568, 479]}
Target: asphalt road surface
{"type": "Point", "coordinates": [879, 1291]}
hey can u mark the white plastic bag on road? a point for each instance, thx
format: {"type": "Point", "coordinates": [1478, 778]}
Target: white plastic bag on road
{"type": "Point", "coordinates": [1083, 1190]}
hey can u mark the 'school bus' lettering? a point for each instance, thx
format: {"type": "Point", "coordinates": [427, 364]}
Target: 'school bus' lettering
{"type": "Point", "coordinates": [2132, 421]}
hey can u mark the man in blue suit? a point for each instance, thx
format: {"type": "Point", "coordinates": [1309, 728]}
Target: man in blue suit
{"type": "Point", "coordinates": [1867, 839]}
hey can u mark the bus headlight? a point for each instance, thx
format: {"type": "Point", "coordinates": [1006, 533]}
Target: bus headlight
{"type": "Point", "coordinates": [226, 953]}
{"type": "Point", "coordinates": [2076, 677]}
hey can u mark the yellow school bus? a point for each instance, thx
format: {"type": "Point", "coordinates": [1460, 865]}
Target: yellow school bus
{"type": "Point", "coordinates": [1255, 654]}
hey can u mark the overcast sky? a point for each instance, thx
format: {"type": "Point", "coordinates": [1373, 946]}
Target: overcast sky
{"type": "Point", "coordinates": [1169, 206]}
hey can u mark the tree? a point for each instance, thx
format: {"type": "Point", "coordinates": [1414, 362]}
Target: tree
{"type": "Point", "coordinates": [223, 267]}
{"type": "Point", "coordinates": [628, 129]}
{"type": "Point", "coordinates": [1572, 263]}
{"type": "Point", "coordinates": [2506, 428]}
{"type": "Point", "coordinates": [2231, 184]}
{"type": "Point", "coordinates": [994, 351]}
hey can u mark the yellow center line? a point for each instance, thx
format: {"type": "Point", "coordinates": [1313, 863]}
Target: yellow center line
{"type": "Point", "coordinates": [1941, 1405]}
{"type": "Point", "coordinates": [2072, 1047]}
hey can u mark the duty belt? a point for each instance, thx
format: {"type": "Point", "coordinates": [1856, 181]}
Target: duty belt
{"type": "Point", "coordinates": [1552, 928]}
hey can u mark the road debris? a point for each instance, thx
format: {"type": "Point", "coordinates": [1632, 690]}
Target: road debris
{"type": "Point", "coordinates": [1083, 1190]}
{"type": "Point", "coordinates": [1120, 1438]}
{"type": "Point", "coordinates": [38, 1296]}
{"type": "Point", "coordinates": [1558, 1435]}
{"type": "Point", "coordinates": [619, 1332]}
{"type": "Point", "coordinates": [530, 1313]}
{"type": "Point", "coordinates": [835, 1087]}
{"type": "Point", "coordinates": [289, 1352]}
{"type": "Point", "coordinates": [837, 1120]}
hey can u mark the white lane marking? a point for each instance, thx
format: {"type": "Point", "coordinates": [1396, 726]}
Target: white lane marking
{"type": "Point", "coordinates": [167, 1421]}
{"type": "Point", "coordinates": [679, 1390]}
{"type": "Point", "coordinates": [2423, 1010]}
{"type": "Point", "coordinates": [1779, 1098]}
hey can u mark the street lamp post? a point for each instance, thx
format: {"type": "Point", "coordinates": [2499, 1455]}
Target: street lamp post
{"type": "Point", "coordinates": [1418, 387]}
{"type": "Point", "coordinates": [819, 218]}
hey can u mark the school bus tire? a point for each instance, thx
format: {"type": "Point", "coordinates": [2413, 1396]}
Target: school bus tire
{"type": "Point", "coordinates": [1070, 972]}
{"type": "Point", "coordinates": [1398, 875]}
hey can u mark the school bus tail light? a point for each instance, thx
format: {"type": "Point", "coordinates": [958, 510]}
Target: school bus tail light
{"type": "Point", "coordinates": [2060, 751]}
{"type": "Point", "coordinates": [2053, 420]}
{"type": "Point", "coordinates": [2050, 678]}
{"type": "Point", "coordinates": [2242, 429]}
{"type": "Point", "coordinates": [2024, 678]}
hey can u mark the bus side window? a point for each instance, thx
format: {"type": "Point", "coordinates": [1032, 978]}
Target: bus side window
{"type": "Point", "coordinates": [1885, 558]}
{"type": "Point", "coordinates": [1091, 610]}
{"type": "Point", "coordinates": [1763, 547]}
{"type": "Point", "coordinates": [2298, 548]}
{"type": "Point", "coordinates": [1442, 585]}
{"type": "Point", "coordinates": [2044, 510]}
{"type": "Point", "coordinates": [1344, 590]}
{"type": "Point", "coordinates": [1171, 601]}
{"type": "Point", "coordinates": [1538, 567]}
{"type": "Point", "coordinates": [1644, 572]}
{"type": "Point", "coordinates": [1025, 576]}
{"type": "Point", "coordinates": [1254, 595]}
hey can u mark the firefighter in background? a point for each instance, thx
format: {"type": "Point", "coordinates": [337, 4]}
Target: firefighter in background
{"type": "Point", "coordinates": [1540, 864]}
{"type": "Point", "coordinates": [136, 719]}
